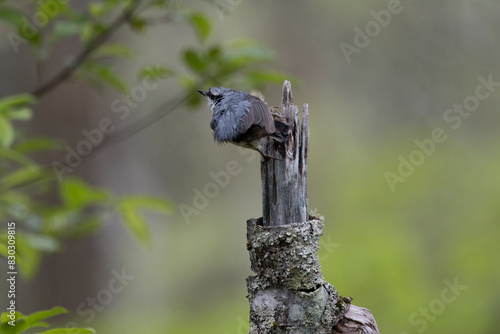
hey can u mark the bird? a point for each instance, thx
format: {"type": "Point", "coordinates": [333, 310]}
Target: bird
{"type": "Point", "coordinates": [243, 119]}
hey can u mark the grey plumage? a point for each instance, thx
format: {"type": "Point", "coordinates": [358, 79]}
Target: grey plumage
{"type": "Point", "coordinates": [242, 119]}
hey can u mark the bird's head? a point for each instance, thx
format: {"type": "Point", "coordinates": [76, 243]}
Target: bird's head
{"type": "Point", "coordinates": [215, 94]}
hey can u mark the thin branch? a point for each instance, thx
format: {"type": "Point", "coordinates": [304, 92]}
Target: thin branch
{"type": "Point", "coordinates": [143, 123]}
{"type": "Point", "coordinates": [98, 40]}
{"type": "Point", "coordinates": [132, 129]}
{"type": "Point", "coordinates": [159, 20]}
{"type": "Point", "coordinates": [149, 119]}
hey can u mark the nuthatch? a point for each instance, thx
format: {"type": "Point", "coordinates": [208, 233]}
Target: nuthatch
{"type": "Point", "coordinates": [242, 119]}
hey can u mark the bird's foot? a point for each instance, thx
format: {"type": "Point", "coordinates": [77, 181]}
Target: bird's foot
{"type": "Point", "coordinates": [275, 112]}
{"type": "Point", "coordinates": [268, 157]}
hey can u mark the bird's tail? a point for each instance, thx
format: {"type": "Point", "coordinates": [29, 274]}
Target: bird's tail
{"type": "Point", "coordinates": [282, 131]}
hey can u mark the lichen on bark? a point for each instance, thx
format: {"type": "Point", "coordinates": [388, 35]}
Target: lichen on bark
{"type": "Point", "coordinates": [289, 293]}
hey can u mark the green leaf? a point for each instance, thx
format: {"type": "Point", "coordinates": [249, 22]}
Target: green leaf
{"type": "Point", "coordinates": [129, 207]}
{"type": "Point", "coordinates": [187, 82]}
{"type": "Point", "coordinates": [268, 76]}
{"type": "Point", "coordinates": [147, 202]}
{"type": "Point", "coordinates": [42, 242]}
{"type": "Point", "coordinates": [15, 18]}
{"type": "Point", "coordinates": [4, 316]}
{"type": "Point", "coordinates": [114, 50]}
{"type": "Point", "coordinates": [214, 53]}
{"type": "Point", "coordinates": [38, 144]}
{"type": "Point", "coordinates": [12, 16]}
{"type": "Point", "coordinates": [20, 324]}
{"type": "Point", "coordinates": [40, 324]}
{"type": "Point", "coordinates": [16, 156]}
{"type": "Point", "coordinates": [87, 32]}
{"type": "Point", "coordinates": [249, 54]}
{"type": "Point", "coordinates": [155, 72]}
{"type": "Point", "coordinates": [42, 315]}
{"type": "Point", "coordinates": [113, 80]}
{"type": "Point", "coordinates": [194, 100]}
{"type": "Point", "coordinates": [70, 331]}
{"type": "Point", "coordinates": [201, 25]}
{"type": "Point", "coordinates": [28, 258]}
{"type": "Point", "coordinates": [136, 224]}
{"type": "Point", "coordinates": [63, 29]}
{"type": "Point", "coordinates": [91, 29]}
{"type": "Point", "coordinates": [19, 327]}
{"type": "Point", "coordinates": [59, 220]}
{"type": "Point", "coordinates": [6, 132]}
{"type": "Point", "coordinates": [106, 74]}
{"type": "Point", "coordinates": [21, 114]}
{"type": "Point", "coordinates": [15, 101]}
{"type": "Point", "coordinates": [15, 199]}
{"type": "Point", "coordinates": [85, 227]}
{"type": "Point", "coordinates": [138, 24]}
{"type": "Point", "coordinates": [98, 9]}
{"type": "Point", "coordinates": [53, 10]}
{"type": "Point", "coordinates": [194, 61]}
{"type": "Point", "coordinates": [76, 194]}
{"type": "Point", "coordinates": [50, 10]}
{"type": "Point", "coordinates": [23, 175]}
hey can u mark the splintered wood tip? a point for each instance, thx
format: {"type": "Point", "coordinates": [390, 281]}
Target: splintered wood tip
{"type": "Point", "coordinates": [287, 98]}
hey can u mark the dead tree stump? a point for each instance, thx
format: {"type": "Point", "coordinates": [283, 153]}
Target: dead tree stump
{"type": "Point", "coordinates": [289, 293]}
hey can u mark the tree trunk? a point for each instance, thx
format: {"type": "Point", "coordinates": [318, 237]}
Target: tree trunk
{"type": "Point", "coordinates": [289, 293]}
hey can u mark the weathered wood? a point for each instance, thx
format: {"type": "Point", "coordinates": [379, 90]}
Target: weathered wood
{"type": "Point", "coordinates": [289, 293]}
{"type": "Point", "coordinates": [284, 179]}
{"type": "Point", "coordinates": [357, 320]}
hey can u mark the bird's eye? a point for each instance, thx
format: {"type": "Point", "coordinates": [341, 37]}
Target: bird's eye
{"type": "Point", "coordinates": [216, 97]}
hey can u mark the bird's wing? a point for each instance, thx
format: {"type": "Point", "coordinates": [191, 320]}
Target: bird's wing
{"type": "Point", "coordinates": [258, 114]}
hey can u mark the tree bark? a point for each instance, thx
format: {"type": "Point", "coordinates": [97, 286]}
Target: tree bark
{"type": "Point", "coordinates": [289, 293]}
{"type": "Point", "coordinates": [284, 179]}
{"type": "Point", "coordinates": [356, 320]}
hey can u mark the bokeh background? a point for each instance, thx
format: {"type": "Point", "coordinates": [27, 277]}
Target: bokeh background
{"type": "Point", "coordinates": [395, 249]}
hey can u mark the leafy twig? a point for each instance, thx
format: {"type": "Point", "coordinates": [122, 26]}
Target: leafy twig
{"type": "Point", "coordinates": [97, 41]}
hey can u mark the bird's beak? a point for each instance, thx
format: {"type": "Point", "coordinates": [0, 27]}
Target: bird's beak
{"type": "Point", "coordinates": [202, 92]}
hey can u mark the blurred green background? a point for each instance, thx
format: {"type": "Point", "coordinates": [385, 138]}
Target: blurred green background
{"type": "Point", "coordinates": [396, 249]}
